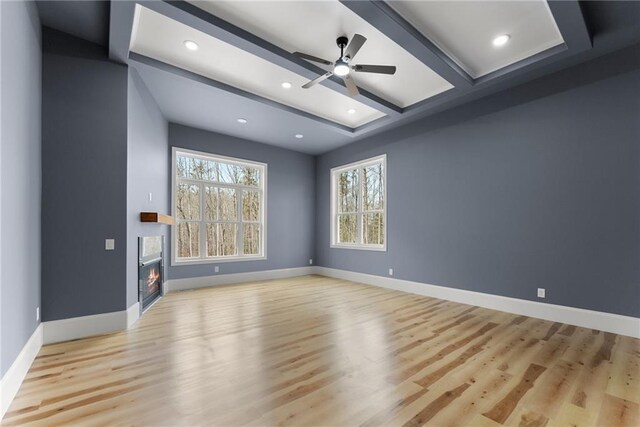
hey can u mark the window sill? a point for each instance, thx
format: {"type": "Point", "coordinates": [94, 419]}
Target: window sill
{"type": "Point", "coordinates": [360, 247]}
{"type": "Point", "coordinates": [175, 263]}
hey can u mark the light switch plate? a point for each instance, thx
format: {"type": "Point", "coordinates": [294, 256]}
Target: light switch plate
{"type": "Point", "coordinates": [391, 272]}
{"type": "Point", "coordinates": [109, 244]}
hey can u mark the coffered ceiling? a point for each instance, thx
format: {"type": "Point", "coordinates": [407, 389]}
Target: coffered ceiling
{"type": "Point", "coordinates": [313, 26]}
{"type": "Point", "coordinates": [162, 38]}
{"type": "Point", "coordinates": [443, 51]}
{"type": "Point", "coordinates": [464, 30]}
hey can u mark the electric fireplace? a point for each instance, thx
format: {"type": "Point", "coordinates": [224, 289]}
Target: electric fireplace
{"type": "Point", "coordinates": [150, 270]}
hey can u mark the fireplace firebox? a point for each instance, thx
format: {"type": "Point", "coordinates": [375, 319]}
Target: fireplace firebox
{"type": "Point", "coordinates": [150, 270]}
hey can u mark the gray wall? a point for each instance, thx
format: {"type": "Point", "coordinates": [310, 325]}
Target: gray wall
{"type": "Point", "coordinates": [534, 187]}
{"type": "Point", "coordinates": [148, 157]}
{"type": "Point", "coordinates": [20, 177]}
{"type": "Point", "coordinates": [84, 171]}
{"type": "Point", "coordinates": [290, 200]}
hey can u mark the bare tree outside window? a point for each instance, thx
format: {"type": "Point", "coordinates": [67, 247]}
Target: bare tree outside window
{"type": "Point", "coordinates": [219, 205]}
{"type": "Point", "coordinates": [358, 204]}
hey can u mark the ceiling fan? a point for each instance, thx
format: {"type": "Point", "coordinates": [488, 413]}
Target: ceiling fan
{"type": "Point", "coordinates": [342, 67]}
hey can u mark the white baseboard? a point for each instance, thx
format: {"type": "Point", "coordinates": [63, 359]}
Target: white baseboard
{"type": "Point", "coordinates": [84, 326]}
{"type": "Point", "coordinates": [234, 278]}
{"type": "Point", "coordinates": [57, 331]}
{"type": "Point", "coordinates": [80, 327]}
{"type": "Point", "coordinates": [608, 322]}
{"type": "Point", "coordinates": [12, 379]}
{"type": "Point", "coordinates": [97, 324]}
{"type": "Point", "coordinates": [133, 314]}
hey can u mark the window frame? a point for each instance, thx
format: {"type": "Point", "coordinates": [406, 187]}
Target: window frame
{"type": "Point", "coordinates": [360, 212]}
{"type": "Point", "coordinates": [202, 235]}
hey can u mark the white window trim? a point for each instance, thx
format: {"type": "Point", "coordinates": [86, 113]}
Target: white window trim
{"type": "Point", "coordinates": [334, 205]}
{"type": "Point", "coordinates": [175, 261]}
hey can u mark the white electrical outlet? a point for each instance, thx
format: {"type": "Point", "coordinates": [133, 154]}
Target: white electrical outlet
{"type": "Point", "coordinates": [541, 293]}
{"type": "Point", "coordinates": [310, 261]}
{"type": "Point", "coordinates": [150, 197]}
{"type": "Point", "coordinates": [37, 314]}
{"type": "Point", "coordinates": [109, 244]}
{"type": "Point", "coordinates": [391, 272]}
{"type": "Point", "coordinates": [216, 269]}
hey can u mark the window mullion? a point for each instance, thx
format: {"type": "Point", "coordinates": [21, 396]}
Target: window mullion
{"type": "Point", "coordinates": [360, 206]}
{"type": "Point", "coordinates": [336, 210]}
{"type": "Point", "coordinates": [202, 245]}
{"type": "Point", "coordinates": [219, 241]}
{"type": "Point", "coordinates": [240, 227]}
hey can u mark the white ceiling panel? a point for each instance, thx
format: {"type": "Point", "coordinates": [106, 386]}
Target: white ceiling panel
{"type": "Point", "coordinates": [162, 38]}
{"type": "Point", "coordinates": [313, 26]}
{"type": "Point", "coordinates": [465, 30]}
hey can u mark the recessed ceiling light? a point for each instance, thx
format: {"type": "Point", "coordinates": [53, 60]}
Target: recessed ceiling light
{"type": "Point", "coordinates": [351, 111]}
{"type": "Point", "coordinates": [241, 120]}
{"type": "Point", "coordinates": [191, 45]}
{"type": "Point", "coordinates": [299, 135]}
{"type": "Point", "coordinates": [501, 40]}
{"type": "Point", "coordinates": [286, 85]}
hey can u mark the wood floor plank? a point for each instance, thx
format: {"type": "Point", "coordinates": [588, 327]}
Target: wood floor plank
{"type": "Point", "coordinates": [618, 412]}
{"type": "Point", "coordinates": [320, 351]}
{"type": "Point", "coordinates": [501, 411]}
{"type": "Point", "coordinates": [436, 406]}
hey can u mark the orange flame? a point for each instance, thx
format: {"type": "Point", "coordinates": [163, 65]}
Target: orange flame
{"type": "Point", "coordinates": [154, 276]}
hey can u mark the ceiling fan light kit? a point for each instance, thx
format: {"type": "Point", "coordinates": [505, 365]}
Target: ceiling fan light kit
{"type": "Point", "coordinates": [342, 66]}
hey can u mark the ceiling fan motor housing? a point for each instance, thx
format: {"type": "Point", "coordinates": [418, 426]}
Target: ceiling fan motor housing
{"type": "Point", "coordinates": [342, 42]}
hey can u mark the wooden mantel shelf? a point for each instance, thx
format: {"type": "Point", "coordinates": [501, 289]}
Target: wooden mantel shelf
{"type": "Point", "coordinates": [156, 217]}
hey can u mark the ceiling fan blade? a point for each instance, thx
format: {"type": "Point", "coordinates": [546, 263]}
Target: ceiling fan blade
{"type": "Point", "coordinates": [354, 45]}
{"type": "Point", "coordinates": [379, 69]}
{"type": "Point", "coordinates": [318, 80]}
{"type": "Point", "coordinates": [312, 58]}
{"type": "Point", "coordinates": [352, 89]}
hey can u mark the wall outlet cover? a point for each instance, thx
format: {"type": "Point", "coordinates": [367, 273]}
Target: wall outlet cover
{"type": "Point", "coordinates": [391, 272]}
{"type": "Point", "coordinates": [109, 244]}
{"type": "Point", "coordinates": [216, 269]}
{"type": "Point", "coordinates": [541, 293]}
{"type": "Point", "coordinates": [310, 261]}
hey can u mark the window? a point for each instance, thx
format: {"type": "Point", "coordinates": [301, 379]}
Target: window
{"type": "Point", "coordinates": [219, 206]}
{"type": "Point", "coordinates": [358, 205]}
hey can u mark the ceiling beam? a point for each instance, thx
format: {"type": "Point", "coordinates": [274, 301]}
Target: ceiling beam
{"type": "Point", "coordinates": [201, 20]}
{"type": "Point", "coordinates": [381, 16]}
{"type": "Point", "coordinates": [135, 59]}
{"type": "Point", "coordinates": [571, 23]}
{"type": "Point", "coordinates": [120, 27]}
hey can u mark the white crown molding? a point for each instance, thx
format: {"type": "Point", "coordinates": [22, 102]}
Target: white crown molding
{"type": "Point", "coordinates": [235, 278]}
{"type": "Point", "coordinates": [608, 322]}
{"type": "Point", "coordinates": [12, 379]}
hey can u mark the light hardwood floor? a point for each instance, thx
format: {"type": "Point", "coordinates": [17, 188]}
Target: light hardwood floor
{"type": "Point", "coordinates": [319, 351]}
